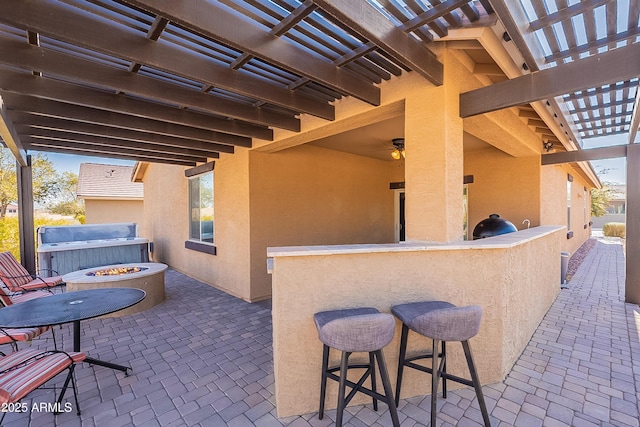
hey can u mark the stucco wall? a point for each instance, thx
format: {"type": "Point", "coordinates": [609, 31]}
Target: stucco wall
{"type": "Point", "coordinates": [502, 184]}
{"type": "Point", "coordinates": [309, 196]}
{"type": "Point", "coordinates": [109, 211]}
{"type": "Point", "coordinates": [167, 224]}
{"type": "Point", "coordinates": [515, 285]}
{"type": "Point", "coordinates": [553, 187]}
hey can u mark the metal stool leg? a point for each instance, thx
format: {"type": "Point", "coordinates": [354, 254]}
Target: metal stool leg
{"type": "Point", "coordinates": [387, 388]}
{"type": "Point", "coordinates": [344, 366]}
{"type": "Point", "coordinates": [476, 383]}
{"type": "Point", "coordinates": [372, 367]}
{"type": "Point", "coordinates": [435, 378]}
{"type": "Point", "coordinates": [323, 380]}
{"type": "Point", "coordinates": [401, 357]}
{"type": "Point", "coordinates": [444, 369]}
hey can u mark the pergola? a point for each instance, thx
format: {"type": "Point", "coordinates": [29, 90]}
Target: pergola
{"type": "Point", "coordinates": [180, 82]}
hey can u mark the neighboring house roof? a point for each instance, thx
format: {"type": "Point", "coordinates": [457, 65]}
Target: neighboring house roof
{"type": "Point", "coordinates": [98, 181]}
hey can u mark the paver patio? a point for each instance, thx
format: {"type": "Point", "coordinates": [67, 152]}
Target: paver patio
{"type": "Point", "coordinates": [203, 358]}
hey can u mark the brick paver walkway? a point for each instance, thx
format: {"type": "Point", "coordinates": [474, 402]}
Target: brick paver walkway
{"type": "Point", "coordinates": [204, 358]}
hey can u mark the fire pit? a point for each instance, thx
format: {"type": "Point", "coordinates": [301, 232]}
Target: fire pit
{"type": "Point", "coordinates": [146, 276]}
{"type": "Point", "coordinates": [116, 271]}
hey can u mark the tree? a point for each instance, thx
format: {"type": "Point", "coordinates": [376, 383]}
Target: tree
{"type": "Point", "coordinates": [600, 198]}
{"type": "Point", "coordinates": [45, 179]}
{"type": "Point", "coordinates": [67, 202]}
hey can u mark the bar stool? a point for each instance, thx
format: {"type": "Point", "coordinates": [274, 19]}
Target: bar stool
{"type": "Point", "coordinates": [441, 322]}
{"type": "Point", "coordinates": [356, 330]}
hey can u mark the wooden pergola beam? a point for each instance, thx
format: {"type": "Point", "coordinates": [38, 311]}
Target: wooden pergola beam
{"type": "Point", "coordinates": [10, 136]}
{"type": "Point", "coordinates": [143, 150]}
{"type": "Point", "coordinates": [30, 93]}
{"type": "Point", "coordinates": [107, 153]}
{"type": "Point", "coordinates": [126, 138]}
{"type": "Point", "coordinates": [615, 65]}
{"type": "Point", "coordinates": [52, 62]}
{"type": "Point", "coordinates": [219, 23]}
{"type": "Point", "coordinates": [635, 119]}
{"type": "Point", "coordinates": [71, 25]}
{"type": "Point", "coordinates": [43, 112]}
{"type": "Point", "coordinates": [367, 21]}
{"type": "Point", "coordinates": [585, 155]}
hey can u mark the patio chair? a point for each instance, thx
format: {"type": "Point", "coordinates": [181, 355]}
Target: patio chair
{"type": "Point", "coordinates": [13, 336]}
{"type": "Point", "coordinates": [24, 371]}
{"type": "Point", "coordinates": [8, 298]}
{"type": "Point", "coordinates": [17, 279]}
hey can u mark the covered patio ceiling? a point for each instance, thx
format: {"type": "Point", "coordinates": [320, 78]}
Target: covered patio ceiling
{"type": "Point", "coordinates": [181, 82]}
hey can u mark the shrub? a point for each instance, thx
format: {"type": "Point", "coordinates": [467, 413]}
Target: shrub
{"type": "Point", "coordinates": [614, 229]}
{"type": "Point", "coordinates": [9, 235]}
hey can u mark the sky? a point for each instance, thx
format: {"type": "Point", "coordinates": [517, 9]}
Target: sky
{"type": "Point", "coordinates": [615, 170]}
{"type": "Point", "coordinates": [71, 162]}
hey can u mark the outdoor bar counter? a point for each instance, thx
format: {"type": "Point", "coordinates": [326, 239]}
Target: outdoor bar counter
{"type": "Point", "coordinates": [514, 277]}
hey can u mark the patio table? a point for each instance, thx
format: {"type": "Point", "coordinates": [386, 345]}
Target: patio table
{"type": "Point", "coordinates": [71, 307]}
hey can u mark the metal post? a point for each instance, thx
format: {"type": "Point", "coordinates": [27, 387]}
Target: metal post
{"type": "Point", "coordinates": [632, 284]}
{"type": "Point", "coordinates": [25, 216]}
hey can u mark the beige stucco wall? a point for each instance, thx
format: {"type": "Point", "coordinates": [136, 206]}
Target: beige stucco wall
{"type": "Point", "coordinates": [301, 196]}
{"type": "Point", "coordinates": [553, 186]}
{"type": "Point", "coordinates": [167, 224]}
{"type": "Point", "coordinates": [110, 211]}
{"type": "Point", "coordinates": [310, 195]}
{"type": "Point", "coordinates": [503, 184]}
{"type": "Point", "coordinates": [515, 285]}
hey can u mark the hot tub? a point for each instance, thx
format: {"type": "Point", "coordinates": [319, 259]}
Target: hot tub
{"type": "Point", "coordinates": [64, 249]}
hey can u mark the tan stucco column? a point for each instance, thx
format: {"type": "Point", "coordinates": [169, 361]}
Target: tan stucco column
{"type": "Point", "coordinates": [434, 161]}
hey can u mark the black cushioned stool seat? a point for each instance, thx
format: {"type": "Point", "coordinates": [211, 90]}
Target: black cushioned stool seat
{"type": "Point", "coordinates": [441, 322]}
{"type": "Point", "coordinates": [356, 330]}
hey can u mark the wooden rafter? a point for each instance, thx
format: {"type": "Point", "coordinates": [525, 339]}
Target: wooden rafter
{"type": "Point", "coordinates": [51, 62]}
{"type": "Point", "coordinates": [566, 13]}
{"type": "Point", "coordinates": [217, 22]}
{"type": "Point", "coordinates": [109, 152]}
{"type": "Point", "coordinates": [25, 123]}
{"type": "Point", "coordinates": [135, 147]}
{"type": "Point", "coordinates": [615, 65]}
{"type": "Point", "coordinates": [9, 135]}
{"type": "Point", "coordinates": [585, 155]}
{"type": "Point", "coordinates": [364, 19]}
{"type": "Point", "coordinates": [64, 23]}
{"type": "Point", "coordinates": [73, 97]}
{"type": "Point", "coordinates": [56, 115]}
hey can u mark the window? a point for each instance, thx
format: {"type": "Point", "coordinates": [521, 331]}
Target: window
{"type": "Point", "coordinates": [201, 214]}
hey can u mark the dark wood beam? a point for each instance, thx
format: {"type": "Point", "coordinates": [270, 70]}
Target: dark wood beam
{"type": "Point", "coordinates": [10, 137]}
{"type": "Point", "coordinates": [437, 11]}
{"type": "Point", "coordinates": [367, 21]}
{"type": "Point", "coordinates": [186, 123]}
{"type": "Point", "coordinates": [143, 149]}
{"type": "Point", "coordinates": [74, 68]}
{"type": "Point", "coordinates": [632, 240]}
{"type": "Point", "coordinates": [585, 155]}
{"type": "Point", "coordinates": [45, 147]}
{"type": "Point", "coordinates": [28, 110]}
{"type": "Point", "coordinates": [65, 139]}
{"type": "Point", "coordinates": [219, 23]}
{"type": "Point", "coordinates": [635, 119]}
{"type": "Point", "coordinates": [71, 25]}
{"type": "Point", "coordinates": [26, 227]}
{"type": "Point", "coordinates": [612, 66]}
{"type": "Point", "coordinates": [117, 130]}
{"type": "Point", "coordinates": [566, 13]}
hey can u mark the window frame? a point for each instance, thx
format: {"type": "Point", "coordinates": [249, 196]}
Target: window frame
{"type": "Point", "coordinates": [194, 243]}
